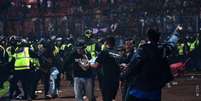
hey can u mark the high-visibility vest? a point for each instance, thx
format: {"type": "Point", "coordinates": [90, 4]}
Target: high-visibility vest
{"type": "Point", "coordinates": [192, 45]}
{"type": "Point", "coordinates": [92, 50]}
{"type": "Point", "coordinates": [56, 50]}
{"type": "Point", "coordinates": [63, 46]}
{"type": "Point", "coordinates": [35, 62]}
{"type": "Point", "coordinates": [181, 49]}
{"type": "Point", "coordinates": [22, 59]}
{"type": "Point", "coordinates": [5, 89]}
{"type": "Point", "coordinates": [196, 43]}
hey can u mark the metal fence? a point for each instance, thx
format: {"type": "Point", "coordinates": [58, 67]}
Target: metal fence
{"type": "Point", "coordinates": [126, 24]}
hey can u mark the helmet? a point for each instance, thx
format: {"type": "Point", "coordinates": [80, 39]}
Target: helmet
{"type": "Point", "coordinates": [24, 41]}
{"type": "Point", "coordinates": [88, 33]}
{"type": "Point", "coordinates": [59, 39]}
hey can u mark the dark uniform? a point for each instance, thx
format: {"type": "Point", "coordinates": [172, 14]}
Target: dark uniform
{"type": "Point", "coordinates": [23, 70]}
{"type": "Point", "coordinates": [108, 74]}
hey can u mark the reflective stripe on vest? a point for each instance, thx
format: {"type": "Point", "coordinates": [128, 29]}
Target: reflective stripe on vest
{"type": "Point", "coordinates": [8, 50]}
{"type": "Point", "coordinates": [56, 50]}
{"type": "Point", "coordinates": [69, 45]}
{"type": "Point", "coordinates": [63, 47]}
{"type": "Point", "coordinates": [22, 60]}
{"type": "Point", "coordinates": [192, 46]}
{"type": "Point", "coordinates": [35, 62]}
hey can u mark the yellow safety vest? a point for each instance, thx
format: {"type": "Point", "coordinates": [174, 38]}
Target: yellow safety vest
{"type": "Point", "coordinates": [56, 50]}
{"type": "Point", "coordinates": [92, 50]}
{"type": "Point", "coordinates": [22, 60]}
{"type": "Point", "coordinates": [181, 49]}
{"type": "Point", "coordinates": [192, 46]}
{"type": "Point", "coordinates": [63, 46]}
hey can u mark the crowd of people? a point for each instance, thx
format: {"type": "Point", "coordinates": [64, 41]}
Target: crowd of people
{"type": "Point", "coordinates": [131, 57]}
{"type": "Point", "coordinates": [131, 16]}
{"type": "Point", "coordinates": [25, 62]}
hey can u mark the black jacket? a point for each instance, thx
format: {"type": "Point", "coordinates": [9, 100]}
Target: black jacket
{"type": "Point", "coordinates": [148, 70]}
{"type": "Point", "coordinates": [109, 69]}
{"type": "Point", "coordinates": [77, 70]}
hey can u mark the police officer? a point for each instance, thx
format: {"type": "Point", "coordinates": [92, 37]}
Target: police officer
{"type": "Point", "coordinates": [22, 69]}
{"type": "Point", "coordinates": [14, 89]}
{"type": "Point", "coordinates": [193, 45]}
{"type": "Point", "coordinates": [35, 64]}
{"type": "Point", "coordinates": [4, 73]}
{"type": "Point", "coordinates": [108, 70]}
{"type": "Point", "coordinates": [92, 47]}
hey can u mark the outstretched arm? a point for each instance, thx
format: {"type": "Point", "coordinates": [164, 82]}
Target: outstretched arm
{"type": "Point", "coordinates": [175, 36]}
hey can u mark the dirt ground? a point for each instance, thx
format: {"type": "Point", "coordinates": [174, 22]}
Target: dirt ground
{"type": "Point", "coordinates": [182, 90]}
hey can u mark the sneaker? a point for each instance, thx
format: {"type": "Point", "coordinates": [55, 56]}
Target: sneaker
{"type": "Point", "coordinates": [19, 97]}
{"type": "Point", "coordinates": [48, 96]}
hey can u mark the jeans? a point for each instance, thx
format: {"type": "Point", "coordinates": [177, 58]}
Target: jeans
{"type": "Point", "coordinates": [53, 85]}
{"type": "Point", "coordinates": [82, 87]}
